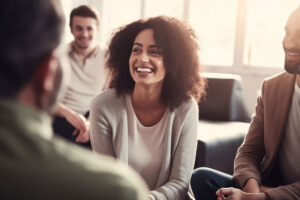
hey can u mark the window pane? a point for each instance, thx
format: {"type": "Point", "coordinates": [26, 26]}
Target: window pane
{"type": "Point", "coordinates": [265, 30]}
{"type": "Point", "coordinates": [214, 22]}
{"type": "Point", "coordinates": [67, 36]}
{"type": "Point", "coordinates": [172, 8]}
{"type": "Point", "coordinates": [117, 13]}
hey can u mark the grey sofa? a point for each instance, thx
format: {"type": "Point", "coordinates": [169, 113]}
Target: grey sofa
{"type": "Point", "coordinates": [223, 122]}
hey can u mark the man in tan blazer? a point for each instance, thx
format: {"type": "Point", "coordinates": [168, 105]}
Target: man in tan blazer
{"type": "Point", "coordinates": [267, 165]}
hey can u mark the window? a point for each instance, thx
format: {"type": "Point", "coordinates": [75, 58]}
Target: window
{"type": "Point", "coordinates": [265, 30]}
{"type": "Point", "coordinates": [232, 33]}
{"type": "Point", "coordinates": [66, 6]}
{"type": "Point", "coordinates": [172, 8]}
{"type": "Point", "coordinates": [214, 22]}
{"type": "Point", "coordinates": [117, 13]}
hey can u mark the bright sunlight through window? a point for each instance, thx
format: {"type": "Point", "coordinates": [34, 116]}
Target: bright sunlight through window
{"type": "Point", "coordinates": [265, 30]}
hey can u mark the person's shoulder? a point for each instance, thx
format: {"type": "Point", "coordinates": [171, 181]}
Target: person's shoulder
{"type": "Point", "coordinates": [65, 48]}
{"type": "Point", "coordinates": [108, 96]}
{"type": "Point", "coordinates": [94, 171]}
{"type": "Point", "coordinates": [100, 50]}
{"type": "Point", "coordinates": [189, 106]}
{"type": "Point", "coordinates": [279, 78]}
{"type": "Point", "coordinates": [280, 81]}
{"type": "Point", "coordinates": [108, 99]}
{"type": "Point", "coordinates": [101, 47]}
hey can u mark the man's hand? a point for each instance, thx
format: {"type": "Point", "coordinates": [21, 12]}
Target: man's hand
{"type": "Point", "coordinates": [263, 188]}
{"type": "Point", "coordinates": [251, 186]}
{"type": "Point", "coordinates": [76, 119]}
{"type": "Point", "coordinates": [230, 193]}
{"type": "Point", "coordinates": [81, 124]}
{"type": "Point", "coordinates": [83, 136]}
{"type": "Point", "coordinates": [237, 194]}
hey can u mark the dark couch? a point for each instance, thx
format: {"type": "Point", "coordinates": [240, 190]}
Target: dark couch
{"type": "Point", "coordinates": [223, 122]}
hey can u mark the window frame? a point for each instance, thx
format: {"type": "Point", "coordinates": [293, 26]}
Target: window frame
{"type": "Point", "coordinates": [238, 67]}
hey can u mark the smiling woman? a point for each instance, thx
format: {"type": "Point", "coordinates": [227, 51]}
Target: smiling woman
{"type": "Point", "coordinates": [146, 62]}
{"type": "Point", "coordinates": [149, 118]}
{"type": "Point", "coordinates": [175, 44]}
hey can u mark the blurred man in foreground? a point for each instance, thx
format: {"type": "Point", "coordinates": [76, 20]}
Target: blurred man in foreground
{"type": "Point", "coordinates": [33, 163]}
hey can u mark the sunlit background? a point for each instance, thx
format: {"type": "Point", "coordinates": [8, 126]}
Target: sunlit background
{"type": "Point", "coordinates": [236, 36]}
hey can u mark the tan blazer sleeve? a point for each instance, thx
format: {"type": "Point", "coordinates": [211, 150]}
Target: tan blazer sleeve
{"type": "Point", "coordinates": [250, 154]}
{"type": "Point", "coordinates": [291, 191]}
{"type": "Point", "coordinates": [253, 156]}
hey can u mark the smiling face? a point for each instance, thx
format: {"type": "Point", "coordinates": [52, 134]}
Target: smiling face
{"type": "Point", "coordinates": [84, 30]}
{"type": "Point", "coordinates": [146, 61]}
{"type": "Point", "coordinates": [291, 43]}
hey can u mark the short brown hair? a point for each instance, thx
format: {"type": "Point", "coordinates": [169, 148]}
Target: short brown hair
{"type": "Point", "coordinates": [84, 11]}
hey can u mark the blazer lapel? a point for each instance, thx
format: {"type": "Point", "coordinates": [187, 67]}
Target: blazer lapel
{"type": "Point", "coordinates": [286, 91]}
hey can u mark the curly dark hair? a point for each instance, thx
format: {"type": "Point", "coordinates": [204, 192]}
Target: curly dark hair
{"type": "Point", "coordinates": [179, 46]}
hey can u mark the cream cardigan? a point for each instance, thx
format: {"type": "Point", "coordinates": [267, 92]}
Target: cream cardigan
{"type": "Point", "coordinates": [109, 135]}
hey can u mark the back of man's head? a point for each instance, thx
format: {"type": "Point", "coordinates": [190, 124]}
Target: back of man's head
{"type": "Point", "coordinates": [84, 11]}
{"type": "Point", "coordinates": [30, 31]}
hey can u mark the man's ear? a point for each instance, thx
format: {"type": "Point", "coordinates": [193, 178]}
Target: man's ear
{"type": "Point", "coordinates": [45, 76]}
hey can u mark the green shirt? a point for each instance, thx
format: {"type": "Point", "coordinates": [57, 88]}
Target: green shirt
{"type": "Point", "coordinates": [36, 165]}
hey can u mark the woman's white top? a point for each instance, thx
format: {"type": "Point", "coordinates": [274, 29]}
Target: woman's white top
{"type": "Point", "coordinates": [146, 146]}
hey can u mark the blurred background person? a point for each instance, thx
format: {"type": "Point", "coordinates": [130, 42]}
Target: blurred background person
{"type": "Point", "coordinates": [87, 78]}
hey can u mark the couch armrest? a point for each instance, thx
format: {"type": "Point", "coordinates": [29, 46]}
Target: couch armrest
{"type": "Point", "coordinates": [224, 99]}
{"type": "Point", "coordinates": [218, 143]}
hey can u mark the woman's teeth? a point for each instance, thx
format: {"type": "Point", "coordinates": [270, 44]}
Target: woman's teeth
{"type": "Point", "coordinates": [143, 69]}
